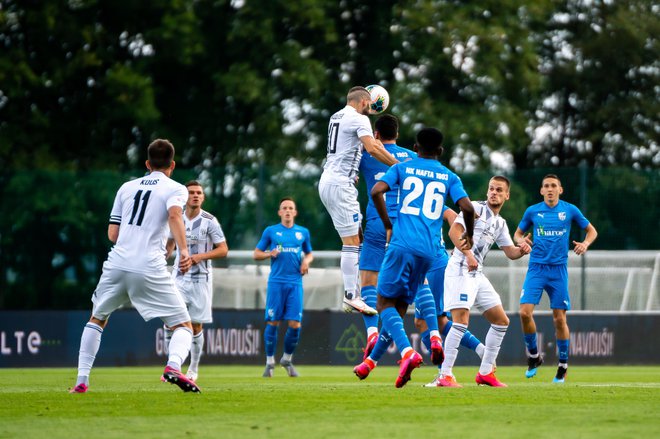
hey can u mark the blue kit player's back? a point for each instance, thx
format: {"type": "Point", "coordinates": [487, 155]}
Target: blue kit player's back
{"type": "Point", "coordinates": [424, 185]}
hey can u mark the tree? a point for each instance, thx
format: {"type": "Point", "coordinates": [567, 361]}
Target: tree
{"type": "Point", "coordinates": [602, 74]}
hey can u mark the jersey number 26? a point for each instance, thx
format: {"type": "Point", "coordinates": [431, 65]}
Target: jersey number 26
{"type": "Point", "coordinates": [433, 194]}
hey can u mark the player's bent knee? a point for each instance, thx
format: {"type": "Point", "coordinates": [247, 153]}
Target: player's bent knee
{"type": "Point", "coordinates": [182, 325]}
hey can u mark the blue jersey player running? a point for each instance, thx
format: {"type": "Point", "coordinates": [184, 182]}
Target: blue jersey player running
{"type": "Point", "coordinates": [289, 248]}
{"type": "Point", "coordinates": [424, 183]}
{"type": "Point", "coordinates": [551, 224]}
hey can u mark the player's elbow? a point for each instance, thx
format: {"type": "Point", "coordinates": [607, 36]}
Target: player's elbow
{"type": "Point", "coordinates": [378, 190]}
{"type": "Point", "coordinates": [467, 209]}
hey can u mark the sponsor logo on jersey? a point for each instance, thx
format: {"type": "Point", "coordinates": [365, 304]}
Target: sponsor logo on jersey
{"type": "Point", "coordinates": [542, 232]}
{"type": "Point", "coordinates": [463, 298]}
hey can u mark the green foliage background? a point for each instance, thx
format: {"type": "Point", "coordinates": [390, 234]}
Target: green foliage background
{"type": "Point", "coordinates": [244, 89]}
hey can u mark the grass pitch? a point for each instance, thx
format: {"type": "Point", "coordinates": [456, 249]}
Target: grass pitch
{"type": "Point", "coordinates": [330, 402]}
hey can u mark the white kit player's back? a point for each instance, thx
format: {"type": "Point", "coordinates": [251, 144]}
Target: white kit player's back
{"type": "Point", "coordinates": [141, 211]}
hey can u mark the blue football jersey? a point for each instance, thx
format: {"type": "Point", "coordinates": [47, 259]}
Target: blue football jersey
{"type": "Point", "coordinates": [424, 185]}
{"type": "Point", "coordinates": [551, 229]}
{"type": "Point", "coordinates": [372, 170]}
{"type": "Point", "coordinates": [292, 243]}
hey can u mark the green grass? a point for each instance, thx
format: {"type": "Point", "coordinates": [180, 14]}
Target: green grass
{"type": "Point", "coordinates": [329, 402]}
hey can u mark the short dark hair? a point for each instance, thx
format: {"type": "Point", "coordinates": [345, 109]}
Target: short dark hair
{"type": "Point", "coordinates": [551, 176]}
{"type": "Point", "coordinates": [502, 178]}
{"type": "Point", "coordinates": [357, 93]}
{"type": "Point", "coordinates": [429, 141]}
{"type": "Point", "coordinates": [388, 126]}
{"type": "Point", "coordinates": [193, 183]}
{"type": "Point", "coordinates": [160, 154]}
{"type": "Point", "coordinates": [286, 199]}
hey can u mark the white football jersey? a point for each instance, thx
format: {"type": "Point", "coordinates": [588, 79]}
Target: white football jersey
{"type": "Point", "coordinates": [202, 232]}
{"type": "Point", "coordinates": [488, 229]}
{"type": "Point", "coordinates": [141, 211]}
{"type": "Point", "coordinates": [344, 146]}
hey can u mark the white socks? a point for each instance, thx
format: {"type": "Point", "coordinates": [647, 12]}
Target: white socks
{"type": "Point", "coordinates": [179, 347]}
{"type": "Point", "coordinates": [90, 341]}
{"type": "Point", "coordinates": [167, 333]}
{"type": "Point", "coordinates": [493, 342]}
{"type": "Point", "coordinates": [452, 341]}
{"type": "Point", "coordinates": [349, 264]}
{"type": "Point", "coordinates": [196, 351]}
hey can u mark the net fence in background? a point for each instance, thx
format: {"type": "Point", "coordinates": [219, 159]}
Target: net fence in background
{"type": "Point", "coordinates": [601, 281]}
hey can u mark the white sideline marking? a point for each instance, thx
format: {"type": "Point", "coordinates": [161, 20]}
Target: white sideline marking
{"type": "Point", "coordinates": [641, 385]}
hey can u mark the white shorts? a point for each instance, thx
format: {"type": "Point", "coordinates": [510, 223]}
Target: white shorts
{"type": "Point", "coordinates": [470, 290]}
{"type": "Point", "coordinates": [198, 296]}
{"type": "Point", "coordinates": [341, 202]}
{"type": "Point", "coordinates": [152, 295]}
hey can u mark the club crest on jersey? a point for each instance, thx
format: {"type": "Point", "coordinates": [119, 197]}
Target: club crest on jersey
{"type": "Point", "coordinates": [299, 236]}
{"type": "Point", "coordinates": [562, 216]}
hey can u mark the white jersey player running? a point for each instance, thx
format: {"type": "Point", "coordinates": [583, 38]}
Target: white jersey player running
{"type": "Point", "coordinates": [349, 131]}
{"type": "Point", "coordinates": [206, 241]}
{"type": "Point", "coordinates": [466, 285]}
{"type": "Point", "coordinates": [136, 269]}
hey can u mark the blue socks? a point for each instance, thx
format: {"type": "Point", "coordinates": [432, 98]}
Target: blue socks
{"type": "Point", "coordinates": [532, 348]}
{"type": "Point", "coordinates": [562, 350]}
{"type": "Point", "coordinates": [291, 340]}
{"type": "Point", "coordinates": [470, 341]}
{"type": "Point", "coordinates": [393, 324]}
{"type": "Point", "coordinates": [270, 340]}
{"type": "Point", "coordinates": [425, 302]}
{"type": "Point", "coordinates": [426, 339]}
{"type": "Point", "coordinates": [384, 342]}
{"type": "Point", "coordinates": [370, 297]}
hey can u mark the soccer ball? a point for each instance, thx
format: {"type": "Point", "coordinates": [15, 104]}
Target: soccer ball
{"type": "Point", "coordinates": [380, 98]}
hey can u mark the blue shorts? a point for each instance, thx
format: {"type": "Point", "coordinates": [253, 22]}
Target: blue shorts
{"type": "Point", "coordinates": [551, 278]}
{"type": "Point", "coordinates": [402, 274]}
{"type": "Point", "coordinates": [373, 247]}
{"type": "Point", "coordinates": [436, 279]}
{"type": "Point", "coordinates": [284, 301]}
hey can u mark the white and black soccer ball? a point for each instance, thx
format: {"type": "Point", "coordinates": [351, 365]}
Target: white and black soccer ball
{"type": "Point", "coordinates": [380, 98]}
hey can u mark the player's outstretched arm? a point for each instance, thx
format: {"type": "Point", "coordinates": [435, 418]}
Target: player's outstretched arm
{"type": "Point", "coordinates": [581, 247]}
{"type": "Point", "coordinates": [516, 252]}
{"type": "Point", "coordinates": [378, 151]}
{"type": "Point", "coordinates": [260, 255]}
{"type": "Point", "coordinates": [519, 237]}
